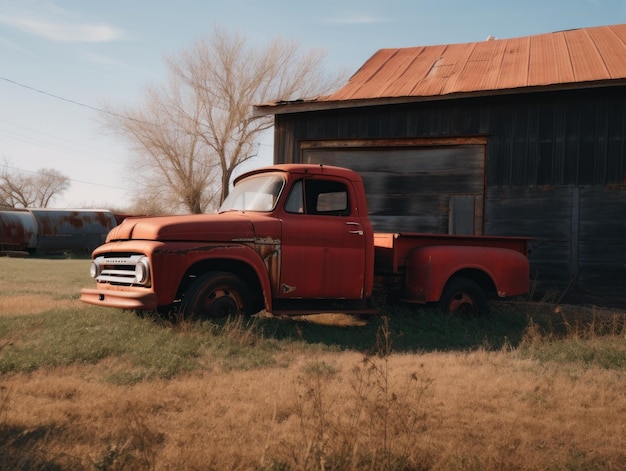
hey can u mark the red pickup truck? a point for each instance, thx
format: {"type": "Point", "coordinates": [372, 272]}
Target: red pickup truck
{"type": "Point", "coordinates": [294, 239]}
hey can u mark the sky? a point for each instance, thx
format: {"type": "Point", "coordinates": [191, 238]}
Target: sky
{"type": "Point", "coordinates": [62, 61]}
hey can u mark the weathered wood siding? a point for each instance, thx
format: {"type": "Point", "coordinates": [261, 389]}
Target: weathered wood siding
{"type": "Point", "coordinates": [555, 170]}
{"type": "Point", "coordinates": [410, 189]}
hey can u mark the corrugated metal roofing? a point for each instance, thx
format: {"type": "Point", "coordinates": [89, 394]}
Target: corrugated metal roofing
{"type": "Point", "coordinates": [565, 59]}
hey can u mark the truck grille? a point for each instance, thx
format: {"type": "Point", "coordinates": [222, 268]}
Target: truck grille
{"type": "Point", "coordinates": [124, 270]}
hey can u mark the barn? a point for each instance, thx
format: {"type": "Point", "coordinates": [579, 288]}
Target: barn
{"type": "Point", "coordinates": [523, 136]}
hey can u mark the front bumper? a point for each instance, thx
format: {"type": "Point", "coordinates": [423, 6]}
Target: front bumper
{"type": "Point", "coordinates": [141, 301]}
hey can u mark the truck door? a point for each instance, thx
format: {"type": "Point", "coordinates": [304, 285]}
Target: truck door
{"type": "Point", "coordinates": [323, 242]}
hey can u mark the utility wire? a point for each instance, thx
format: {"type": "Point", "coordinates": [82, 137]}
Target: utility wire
{"type": "Point", "coordinates": [74, 102]}
{"type": "Point", "coordinates": [70, 179]}
{"type": "Point", "coordinates": [25, 138]}
{"type": "Point", "coordinates": [52, 146]}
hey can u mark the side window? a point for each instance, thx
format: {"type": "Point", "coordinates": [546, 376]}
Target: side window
{"type": "Point", "coordinates": [334, 203]}
{"type": "Point", "coordinates": [323, 197]}
{"type": "Point", "coordinates": [295, 201]}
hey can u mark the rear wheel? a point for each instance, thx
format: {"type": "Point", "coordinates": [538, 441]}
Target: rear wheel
{"type": "Point", "coordinates": [215, 295]}
{"type": "Point", "coordinates": [463, 297]}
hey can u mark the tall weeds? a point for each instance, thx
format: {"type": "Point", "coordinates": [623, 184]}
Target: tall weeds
{"type": "Point", "coordinates": [593, 340]}
{"type": "Point", "coordinates": [375, 424]}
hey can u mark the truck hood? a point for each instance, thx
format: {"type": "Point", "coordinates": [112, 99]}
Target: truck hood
{"type": "Point", "coordinates": [200, 227]}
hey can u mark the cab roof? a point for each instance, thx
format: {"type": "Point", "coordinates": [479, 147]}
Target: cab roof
{"type": "Point", "coordinates": [304, 169]}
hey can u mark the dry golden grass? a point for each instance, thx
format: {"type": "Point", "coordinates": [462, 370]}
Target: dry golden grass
{"type": "Point", "coordinates": [314, 409]}
{"type": "Point", "coordinates": [34, 286]}
{"type": "Point", "coordinates": [480, 410]}
{"type": "Point", "coordinates": [32, 304]}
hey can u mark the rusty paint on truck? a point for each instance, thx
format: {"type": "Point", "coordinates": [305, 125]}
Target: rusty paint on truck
{"type": "Point", "coordinates": [269, 250]}
{"type": "Point", "coordinates": [310, 244]}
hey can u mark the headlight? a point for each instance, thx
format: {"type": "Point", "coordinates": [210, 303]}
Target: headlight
{"type": "Point", "coordinates": [94, 269]}
{"type": "Point", "coordinates": [142, 271]}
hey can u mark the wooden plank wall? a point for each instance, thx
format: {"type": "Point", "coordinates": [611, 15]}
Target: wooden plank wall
{"type": "Point", "coordinates": [543, 215]}
{"type": "Point", "coordinates": [555, 171]}
{"type": "Point", "coordinates": [602, 241]}
{"type": "Point", "coordinates": [578, 235]}
{"type": "Point", "coordinates": [409, 189]}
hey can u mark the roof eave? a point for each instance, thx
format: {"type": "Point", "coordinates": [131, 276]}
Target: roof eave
{"type": "Point", "coordinates": [303, 106]}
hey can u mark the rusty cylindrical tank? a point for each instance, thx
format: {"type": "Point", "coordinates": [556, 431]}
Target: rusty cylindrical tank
{"type": "Point", "coordinates": [76, 230]}
{"type": "Point", "coordinates": [18, 231]}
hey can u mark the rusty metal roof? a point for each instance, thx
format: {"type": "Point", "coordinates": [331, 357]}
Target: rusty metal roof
{"type": "Point", "coordinates": [566, 59]}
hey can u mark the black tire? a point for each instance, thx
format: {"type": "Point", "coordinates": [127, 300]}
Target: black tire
{"type": "Point", "coordinates": [463, 297]}
{"type": "Point", "coordinates": [215, 295]}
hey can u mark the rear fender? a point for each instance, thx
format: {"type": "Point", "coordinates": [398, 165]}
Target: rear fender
{"type": "Point", "coordinates": [428, 269]}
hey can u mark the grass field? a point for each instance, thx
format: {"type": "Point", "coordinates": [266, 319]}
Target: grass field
{"type": "Point", "coordinates": [83, 387]}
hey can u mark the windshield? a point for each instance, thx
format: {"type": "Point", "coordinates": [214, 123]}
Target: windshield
{"type": "Point", "coordinates": [256, 193]}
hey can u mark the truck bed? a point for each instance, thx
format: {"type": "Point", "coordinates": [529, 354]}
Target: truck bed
{"type": "Point", "coordinates": [391, 249]}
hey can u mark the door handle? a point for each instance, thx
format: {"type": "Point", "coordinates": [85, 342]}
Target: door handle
{"type": "Point", "coordinates": [357, 232]}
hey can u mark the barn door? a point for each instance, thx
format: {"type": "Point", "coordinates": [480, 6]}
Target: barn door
{"type": "Point", "coordinates": [461, 216]}
{"type": "Point", "coordinates": [434, 189]}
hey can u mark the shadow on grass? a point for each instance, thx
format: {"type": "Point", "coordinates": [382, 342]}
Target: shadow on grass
{"type": "Point", "coordinates": [412, 329]}
{"type": "Point", "coordinates": [22, 448]}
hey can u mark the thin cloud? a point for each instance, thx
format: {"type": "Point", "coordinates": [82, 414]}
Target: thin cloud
{"type": "Point", "coordinates": [105, 60]}
{"type": "Point", "coordinates": [15, 47]}
{"type": "Point", "coordinates": [356, 20]}
{"type": "Point", "coordinates": [64, 31]}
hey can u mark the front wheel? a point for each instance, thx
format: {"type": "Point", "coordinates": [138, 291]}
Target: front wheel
{"type": "Point", "coordinates": [463, 297]}
{"type": "Point", "coordinates": [215, 295]}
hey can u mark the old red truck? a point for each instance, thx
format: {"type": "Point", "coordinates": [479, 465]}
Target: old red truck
{"type": "Point", "coordinates": [293, 239]}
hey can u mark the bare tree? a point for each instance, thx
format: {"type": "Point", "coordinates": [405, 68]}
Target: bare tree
{"type": "Point", "coordinates": [171, 167]}
{"type": "Point", "coordinates": [21, 190]}
{"type": "Point", "coordinates": [191, 134]}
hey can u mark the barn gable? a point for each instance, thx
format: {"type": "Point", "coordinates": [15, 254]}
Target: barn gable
{"type": "Point", "coordinates": [523, 136]}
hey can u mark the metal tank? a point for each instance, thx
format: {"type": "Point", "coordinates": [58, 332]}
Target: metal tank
{"type": "Point", "coordinates": [76, 230]}
{"type": "Point", "coordinates": [18, 231]}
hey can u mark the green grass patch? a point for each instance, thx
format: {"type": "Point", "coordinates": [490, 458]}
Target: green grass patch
{"type": "Point", "coordinates": [88, 335]}
{"type": "Point", "coordinates": [608, 352]}
{"type": "Point", "coordinates": [59, 279]}
{"type": "Point", "coordinates": [598, 342]}
{"type": "Point", "coordinates": [144, 348]}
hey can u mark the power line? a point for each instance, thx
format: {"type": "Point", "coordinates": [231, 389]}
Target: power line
{"type": "Point", "coordinates": [74, 102]}
{"type": "Point", "coordinates": [70, 179]}
{"type": "Point", "coordinates": [49, 145]}
{"type": "Point", "coordinates": [25, 138]}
